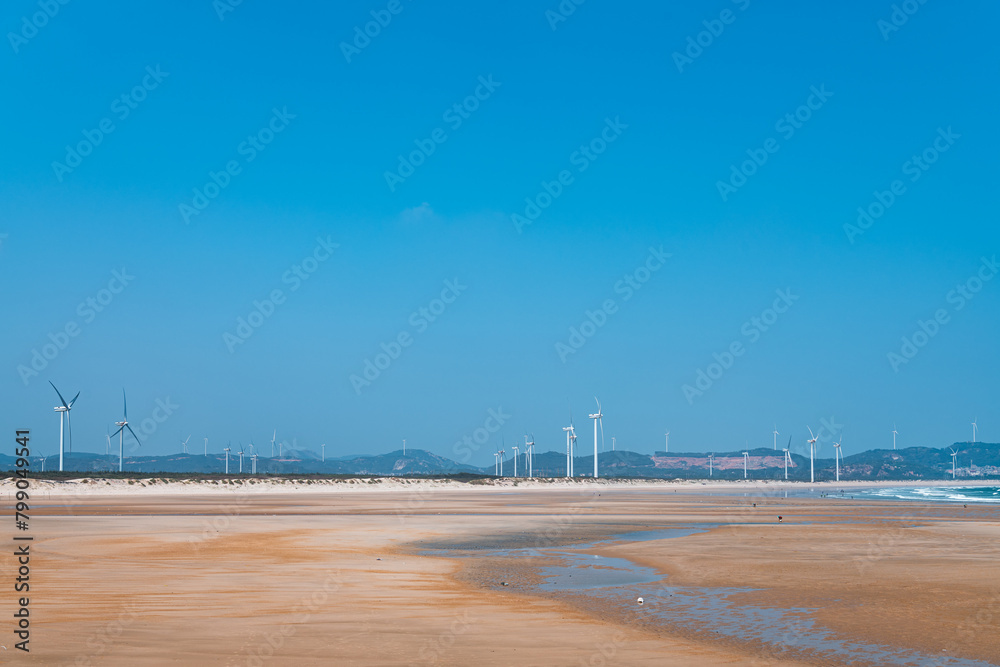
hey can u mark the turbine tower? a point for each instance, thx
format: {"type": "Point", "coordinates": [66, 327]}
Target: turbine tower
{"type": "Point", "coordinates": [273, 436]}
{"type": "Point", "coordinates": [746, 459]}
{"type": "Point", "coordinates": [515, 460]}
{"type": "Point", "coordinates": [597, 417]}
{"type": "Point", "coordinates": [253, 463]}
{"type": "Point", "coordinates": [837, 454]}
{"type": "Point", "coordinates": [184, 445]}
{"type": "Point", "coordinates": [711, 460]}
{"type": "Point", "coordinates": [569, 467]}
{"type": "Point", "coordinates": [122, 425]}
{"type": "Point", "coordinates": [206, 446]}
{"type": "Point", "coordinates": [666, 445]}
{"type": "Point", "coordinates": [63, 411]}
{"type": "Point", "coordinates": [974, 427]}
{"type": "Point", "coordinates": [572, 452]}
{"type": "Point", "coordinates": [530, 452]}
{"type": "Point", "coordinates": [323, 448]}
{"type": "Point", "coordinates": [496, 463]}
{"type": "Point", "coordinates": [894, 432]}
{"type": "Point", "coordinates": [787, 459]}
{"type": "Point", "coordinates": [241, 458]}
{"type": "Point", "coordinates": [776, 434]}
{"type": "Point", "coordinates": [226, 450]}
{"type": "Point", "coordinates": [954, 455]}
{"type": "Point", "coordinates": [812, 455]}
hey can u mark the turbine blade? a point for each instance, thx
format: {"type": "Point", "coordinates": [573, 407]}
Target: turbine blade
{"type": "Point", "coordinates": [125, 406]}
{"type": "Point", "coordinates": [138, 441]}
{"type": "Point", "coordinates": [811, 433]}
{"type": "Point", "coordinates": [117, 432]}
{"type": "Point", "coordinates": [69, 432]}
{"type": "Point", "coordinates": [74, 400]}
{"type": "Point", "coordinates": [63, 400]}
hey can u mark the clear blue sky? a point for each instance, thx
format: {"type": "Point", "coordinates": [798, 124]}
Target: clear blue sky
{"type": "Point", "coordinates": [885, 96]}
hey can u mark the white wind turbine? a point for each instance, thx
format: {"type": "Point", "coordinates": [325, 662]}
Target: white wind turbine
{"type": "Point", "coordinates": [612, 443]}
{"type": "Point", "coordinates": [569, 464]}
{"type": "Point", "coordinates": [787, 459]}
{"type": "Point", "coordinates": [227, 450]}
{"type": "Point", "coordinates": [894, 432]}
{"type": "Point", "coordinates": [273, 436]}
{"type": "Point", "coordinates": [206, 446]}
{"type": "Point", "coordinates": [666, 445]}
{"type": "Point", "coordinates": [323, 448]}
{"type": "Point", "coordinates": [529, 448]}
{"type": "Point", "coordinates": [572, 452]}
{"type": "Point", "coordinates": [837, 455]}
{"type": "Point", "coordinates": [253, 463]}
{"type": "Point", "coordinates": [974, 427]}
{"type": "Point", "coordinates": [63, 411]}
{"type": "Point", "coordinates": [515, 460]}
{"type": "Point", "coordinates": [241, 458]}
{"type": "Point", "coordinates": [107, 447]}
{"type": "Point", "coordinates": [746, 459]}
{"type": "Point", "coordinates": [597, 417]}
{"type": "Point", "coordinates": [711, 460]}
{"type": "Point", "coordinates": [496, 463]}
{"type": "Point", "coordinates": [776, 434]}
{"type": "Point", "coordinates": [812, 454]}
{"type": "Point", "coordinates": [122, 425]}
{"type": "Point", "coordinates": [184, 445]}
{"type": "Point", "coordinates": [954, 455]}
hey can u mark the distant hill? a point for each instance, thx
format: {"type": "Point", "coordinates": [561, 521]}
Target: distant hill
{"type": "Point", "coordinates": [977, 461]}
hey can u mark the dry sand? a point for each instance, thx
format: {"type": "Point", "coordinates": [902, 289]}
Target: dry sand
{"type": "Point", "coordinates": [337, 577]}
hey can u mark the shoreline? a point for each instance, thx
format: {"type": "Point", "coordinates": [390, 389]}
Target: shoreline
{"type": "Point", "coordinates": [153, 485]}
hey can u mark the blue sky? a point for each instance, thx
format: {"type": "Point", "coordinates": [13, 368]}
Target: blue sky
{"type": "Point", "coordinates": [329, 130]}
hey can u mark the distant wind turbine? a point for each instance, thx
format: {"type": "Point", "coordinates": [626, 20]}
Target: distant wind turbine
{"type": "Point", "coordinates": [954, 455]}
{"type": "Point", "coordinates": [746, 459]}
{"type": "Point", "coordinates": [569, 460]}
{"type": "Point", "coordinates": [273, 437]}
{"type": "Point", "coordinates": [241, 458]}
{"type": "Point", "coordinates": [206, 446]}
{"type": "Point", "coordinates": [515, 460]}
{"type": "Point", "coordinates": [776, 434]}
{"type": "Point", "coordinates": [184, 445]}
{"type": "Point", "coordinates": [787, 459]}
{"type": "Point", "coordinates": [496, 463]}
{"type": "Point", "coordinates": [812, 455]}
{"type": "Point", "coordinates": [64, 416]}
{"type": "Point", "coordinates": [837, 455]}
{"type": "Point", "coordinates": [597, 417]}
{"type": "Point", "coordinates": [711, 460]}
{"type": "Point", "coordinates": [227, 450]}
{"type": "Point", "coordinates": [666, 445]}
{"type": "Point", "coordinates": [253, 463]}
{"type": "Point", "coordinates": [529, 448]}
{"type": "Point", "coordinates": [894, 432]}
{"type": "Point", "coordinates": [974, 427]}
{"type": "Point", "coordinates": [323, 448]}
{"type": "Point", "coordinates": [122, 425]}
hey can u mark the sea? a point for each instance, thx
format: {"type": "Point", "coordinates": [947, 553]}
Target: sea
{"type": "Point", "coordinates": [944, 494]}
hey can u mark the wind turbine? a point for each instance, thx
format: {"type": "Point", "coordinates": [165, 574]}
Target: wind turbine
{"type": "Point", "coordinates": [323, 448]}
{"type": "Point", "coordinates": [894, 432]}
{"type": "Point", "coordinates": [572, 452]}
{"type": "Point", "coordinates": [273, 436]}
{"type": "Point", "coordinates": [107, 447]}
{"type": "Point", "coordinates": [667, 443]}
{"type": "Point", "coordinates": [122, 425]}
{"type": "Point", "coordinates": [63, 411]}
{"type": "Point", "coordinates": [530, 451]}
{"type": "Point", "coordinates": [404, 447]}
{"type": "Point", "coordinates": [597, 417]}
{"type": "Point", "coordinates": [569, 466]}
{"type": "Point", "coordinates": [812, 453]}
{"type": "Point", "coordinates": [837, 456]}
{"type": "Point", "coordinates": [184, 445]}
{"type": "Point", "coordinates": [502, 453]}
{"type": "Point", "coordinates": [42, 458]}
{"type": "Point", "coordinates": [974, 427]}
{"type": "Point", "coordinates": [241, 458]}
{"type": "Point", "coordinates": [776, 434]}
{"type": "Point", "coordinates": [515, 460]}
{"type": "Point", "coordinates": [787, 459]}
{"type": "Point", "coordinates": [954, 455]}
{"type": "Point", "coordinates": [746, 459]}
{"type": "Point", "coordinates": [226, 450]}
{"type": "Point", "coordinates": [612, 443]}
{"type": "Point", "coordinates": [206, 446]}
{"type": "Point", "coordinates": [496, 463]}
{"type": "Point", "coordinates": [253, 463]}
{"type": "Point", "coordinates": [711, 460]}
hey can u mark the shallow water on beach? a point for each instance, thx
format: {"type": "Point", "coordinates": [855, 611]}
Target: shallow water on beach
{"type": "Point", "coordinates": [713, 612]}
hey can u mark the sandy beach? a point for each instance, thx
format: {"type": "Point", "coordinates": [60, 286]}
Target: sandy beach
{"type": "Point", "coordinates": [423, 573]}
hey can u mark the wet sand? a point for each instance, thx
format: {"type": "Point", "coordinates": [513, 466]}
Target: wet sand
{"type": "Point", "coordinates": [344, 578]}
